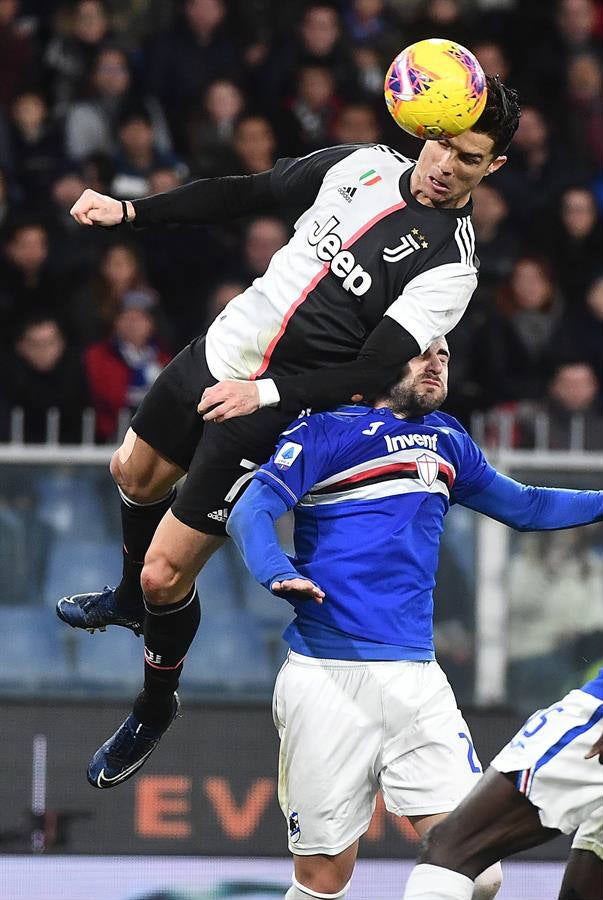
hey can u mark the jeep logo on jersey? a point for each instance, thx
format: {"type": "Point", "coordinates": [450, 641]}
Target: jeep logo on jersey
{"type": "Point", "coordinates": [342, 263]}
{"type": "Point", "coordinates": [427, 467]}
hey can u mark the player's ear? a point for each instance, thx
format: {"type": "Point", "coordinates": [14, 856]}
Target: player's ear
{"type": "Point", "coordinates": [496, 163]}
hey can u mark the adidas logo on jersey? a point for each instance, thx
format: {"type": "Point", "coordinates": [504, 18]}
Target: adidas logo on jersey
{"type": "Point", "coordinates": [347, 193]}
{"type": "Point", "coordinates": [220, 515]}
{"type": "Point", "coordinates": [342, 263]}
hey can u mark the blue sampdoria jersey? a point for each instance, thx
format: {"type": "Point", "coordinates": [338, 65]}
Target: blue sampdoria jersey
{"type": "Point", "coordinates": [370, 492]}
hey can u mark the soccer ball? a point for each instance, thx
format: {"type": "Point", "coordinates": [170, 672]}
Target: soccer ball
{"type": "Point", "coordinates": [435, 88]}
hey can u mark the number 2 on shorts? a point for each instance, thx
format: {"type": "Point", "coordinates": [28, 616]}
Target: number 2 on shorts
{"type": "Point", "coordinates": [473, 763]}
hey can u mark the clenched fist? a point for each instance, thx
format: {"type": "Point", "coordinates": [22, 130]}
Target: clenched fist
{"type": "Point", "coordinates": [93, 208]}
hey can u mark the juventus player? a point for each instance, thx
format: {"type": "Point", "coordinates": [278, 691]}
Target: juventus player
{"type": "Point", "coordinates": [381, 262]}
{"type": "Point", "coordinates": [361, 704]}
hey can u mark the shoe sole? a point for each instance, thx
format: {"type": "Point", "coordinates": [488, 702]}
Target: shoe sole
{"type": "Point", "coordinates": [136, 631]}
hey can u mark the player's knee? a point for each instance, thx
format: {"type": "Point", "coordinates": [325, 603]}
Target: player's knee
{"type": "Point", "coordinates": [138, 484]}
{"type": "Point", "coordinates": [298, 891]}
{"type": "Point", "coordinates": [160, 580]}
{"type": "Point", "coordinates": [438, 847]}
{"type": "Point", "coordinates": [487, 884]}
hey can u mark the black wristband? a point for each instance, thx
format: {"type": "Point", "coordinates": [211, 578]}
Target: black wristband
{"type": "Point", "coordinates": [124, 214]}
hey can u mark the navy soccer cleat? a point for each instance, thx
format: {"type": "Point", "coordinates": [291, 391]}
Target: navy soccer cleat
{"type": "Point", "coordinates": [96, 611]}
{"type": "Point", "coordinates": [126, 751]}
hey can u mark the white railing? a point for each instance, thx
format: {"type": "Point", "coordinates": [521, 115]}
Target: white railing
{"type": "Point", "coordinates": [492, 538]}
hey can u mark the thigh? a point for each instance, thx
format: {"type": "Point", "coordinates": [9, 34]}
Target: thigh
{"type": "Point", "coordinates": [583, 876]}
{"type": "Point", "coordinates": [182, 550]}
{"type": "Point", "coordinates": [547, 757]}
{"type": "Point", "coordinates": [429, 763]}
{"type": "Point", "coordinates": [492, 822]}
{"type": "Point", "coordinates": [167, 419]}
{"type": "Point", "coordinates": [223, 462]}
{"type": "Point", "coordinates": [141, 472]}
{"type": "Point", "coordinates": [329, 721]}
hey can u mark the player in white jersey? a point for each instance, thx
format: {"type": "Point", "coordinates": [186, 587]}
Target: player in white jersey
{"type": "Point", "coordinates": [382, 261]}
{"type": "Point", "coordinates": [361, 704]}
{"type": "Point", "coordinates": [547, 780]}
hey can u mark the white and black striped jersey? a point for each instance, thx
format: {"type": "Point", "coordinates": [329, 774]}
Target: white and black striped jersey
{"type": "Point", "coordinates": [363, 249]}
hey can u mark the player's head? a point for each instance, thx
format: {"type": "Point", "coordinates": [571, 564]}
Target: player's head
{"type": "Point", "coordinates": [423, 386]}
{"type": "Point", "coordinates": [447, 170]}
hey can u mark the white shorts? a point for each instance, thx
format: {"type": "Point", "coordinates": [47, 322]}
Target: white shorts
{"type": "Point", "coordinates": [548, 755]}
{"type": "Point", "coordinates": [590, 834]}
{"type": "Point", "coordinates": [349, 728]}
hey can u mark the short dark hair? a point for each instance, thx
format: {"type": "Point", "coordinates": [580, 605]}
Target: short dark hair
{"type": "Point", "coordinates": [500, 118]}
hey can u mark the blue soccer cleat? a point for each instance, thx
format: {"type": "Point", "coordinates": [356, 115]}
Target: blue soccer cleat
{"type": "Point", "coordinates": [96, 611]}
{"type": "Point", "coordinates": [126, 751]}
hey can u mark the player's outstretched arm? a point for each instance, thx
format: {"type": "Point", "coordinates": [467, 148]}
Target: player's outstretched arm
{"type": "Point", "coordinates": [204, 201]}
{"type": "Point", "coordinates": [528, 508]}
{"type": "Point", "coordinates": [251, 525]}
{"type": "Point", "coordinates": [380, 362]}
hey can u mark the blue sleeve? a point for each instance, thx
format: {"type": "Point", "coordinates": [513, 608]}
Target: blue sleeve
{"type": "Point", "coordinates": [474, 470]}
{"type": "Point", "coordinates": [528, 508]}
{"type": "Point", "coordinates": [251, 526]}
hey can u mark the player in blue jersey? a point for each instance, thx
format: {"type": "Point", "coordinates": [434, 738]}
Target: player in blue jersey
{"type": "Point", "coordinates": [361, 704]}
{"type": "Point", "coordinates": [547, 780]}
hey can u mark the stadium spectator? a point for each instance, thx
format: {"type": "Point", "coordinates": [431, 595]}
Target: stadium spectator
{"type": "Point", "coordinates": [254, 144]}
{"type": "Point", "coordinates": [582, 110]}
{"type": "Point", "coordinates": [18, 62]}
{"type": "Point", "coordinates": [356, 123]}
{"type": "Point", "coordinates": [138, 154]}
{"type": "Point", "coordinates": [568, 417]}
{"type": "Point", "coordinates": [182, 61]}
{"type": "Point", "coordinates": [263, 238]}
{"type": "Point", "coordinates": [98, 302]}
{"type": "Point", "coordinates": [210, 129]}
{"type": "Point", "coordinates": [122, 368]}
{"type": "Point", "coordinates": [41, 373]}
{"type": "Point", "coordinates": [27, 285]}
{"type": "Point", "coordinates": [37, 145]}
{"type": "Point", "coordinates": [91, 125]}
{"type": "Point", "coordinates": [537, 170]}
{"type": "Point", "coordinates": [318, 41]}
{"type": "Point", "coordinates": [493, 58]}
{"type": "Point", "coordinates": [572, 241]}
{"type": "Point", "coordinates": [73, 255]}
{"type": "Point", "coordinates": [218, 300]}
{"type": "Point", "coordinates": [513, 349]}
{"type": "Point", "coordinates": [496, 243]}
{"type": "Point", "coordinates": [308, 119]}
{"type": "Point", "coordinates": [70, 54]}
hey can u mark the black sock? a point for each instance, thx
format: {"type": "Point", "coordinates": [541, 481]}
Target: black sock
{"type": "Point", "coordinates": [168, 633]}
{"type": "Point", "coordinates": [139, 522]}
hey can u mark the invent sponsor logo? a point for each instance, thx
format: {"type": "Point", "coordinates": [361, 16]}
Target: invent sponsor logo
{"type": "Point", "coordinates": [403, 441]}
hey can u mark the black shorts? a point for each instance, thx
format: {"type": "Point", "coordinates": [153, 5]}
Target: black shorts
{"type": "Point", "coordinates": [216, 457]}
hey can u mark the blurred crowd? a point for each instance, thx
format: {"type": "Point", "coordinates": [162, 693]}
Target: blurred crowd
{"type": "Point", "coordinates": [136, 97]}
